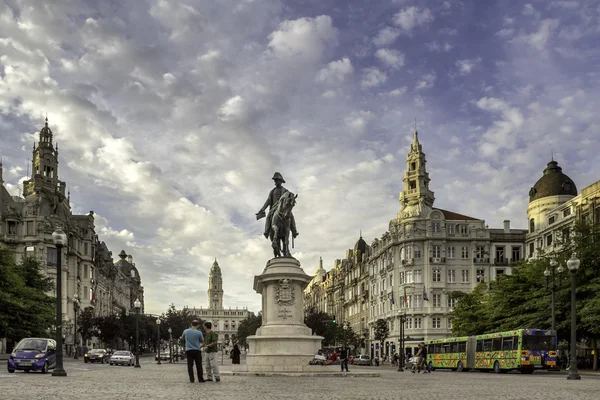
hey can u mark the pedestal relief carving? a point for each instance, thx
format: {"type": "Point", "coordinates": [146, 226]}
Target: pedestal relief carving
{"type": "Point", "coordinates": [284, 294]}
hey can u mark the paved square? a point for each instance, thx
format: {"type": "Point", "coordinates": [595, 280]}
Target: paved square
{"type": "Point", "coordinates": [170, 381]}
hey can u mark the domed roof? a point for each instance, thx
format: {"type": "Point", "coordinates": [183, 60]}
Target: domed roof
{"type": "Point", "coordinates": [553, 183]}
{"type": "Point", "coordinates": [360, 246]}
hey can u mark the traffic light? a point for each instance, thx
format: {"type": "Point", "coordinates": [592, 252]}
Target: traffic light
{"type": "Point", "coordinates": [334, 321]}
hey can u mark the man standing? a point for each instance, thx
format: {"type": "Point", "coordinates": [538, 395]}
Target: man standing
{"type": "Point", "coordinates": [274, 196]}
{"type": "Point", "coordinates": [212, 368]}
{"type": "Point", "coordinates": [193, 340]}
{"type": "Point", "coordinates": [344, 359]}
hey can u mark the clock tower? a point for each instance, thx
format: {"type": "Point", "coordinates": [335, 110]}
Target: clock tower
{"type": "Point", "coordinates": [44, 168]}
{"type": "Point", "coordinates": [215, 287]}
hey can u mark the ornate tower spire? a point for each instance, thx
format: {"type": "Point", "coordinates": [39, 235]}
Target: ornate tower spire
{"type": "Point", "coordinates": [44, 166]}
{"type": "Point", "coordinates": [416, 198]}
{"type": "Point", "coordinates": [215, 287]}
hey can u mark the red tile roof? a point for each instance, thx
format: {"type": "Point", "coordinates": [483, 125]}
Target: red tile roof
{"type": "Point", "coordinates": [452, 216]}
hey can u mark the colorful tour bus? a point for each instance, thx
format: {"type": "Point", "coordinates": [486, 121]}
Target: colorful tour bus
{"type": "Point", "coordinates": [523, 349]}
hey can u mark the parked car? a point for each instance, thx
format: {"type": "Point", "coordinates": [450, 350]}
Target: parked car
{"type": "Point", "coordinates": [363, 359]}
{"type": "Point", "coordinates": [95, 355]}
{"type": "Point", "coordinates": [164, 356]}
{"type": "Point", "coordinates": [121, 357]}
{"type": "Point", "coordinates": [33, 354]}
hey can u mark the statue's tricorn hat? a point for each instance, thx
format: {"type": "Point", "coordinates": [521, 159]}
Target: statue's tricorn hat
{"type": "Point", "coordinates": [278, 176]}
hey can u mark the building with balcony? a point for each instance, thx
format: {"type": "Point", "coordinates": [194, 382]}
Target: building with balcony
{"type": "Point", "coordinates": [554, 207]}
{"type": "Point", "coordinates": [225, 321]}
{"type": "Point", "coordinates": [26, 226]}
{"type": "Point", "coordinates": [343, 291]}
{"type": "Point", "coordinates": [427, 254]}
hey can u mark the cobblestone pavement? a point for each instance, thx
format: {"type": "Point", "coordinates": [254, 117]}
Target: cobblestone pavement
{"type": "Point", "coordinates": [169, 381]}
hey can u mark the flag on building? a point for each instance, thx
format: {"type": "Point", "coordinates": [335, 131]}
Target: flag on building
{"type": "Point", "coordinates": [425, 295]}
{"type": "Point", "coordinates": [405, 298]}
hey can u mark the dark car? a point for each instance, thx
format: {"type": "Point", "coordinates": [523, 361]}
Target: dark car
{"type": "Point", "coordinates": [33, 354]}
{"type": "Point", "coordinates": [96, 355]}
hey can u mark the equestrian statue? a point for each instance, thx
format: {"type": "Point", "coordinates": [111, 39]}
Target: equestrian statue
{"type": "Point", "coordinates": [280, 219]}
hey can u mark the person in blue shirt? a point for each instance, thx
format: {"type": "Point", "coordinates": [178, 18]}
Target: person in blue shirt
{"type": "Point", "coordinates": [193, 341]}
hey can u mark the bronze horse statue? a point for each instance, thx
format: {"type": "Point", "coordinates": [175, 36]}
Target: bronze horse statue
{"type": "Point", "coordinates": [280, 225]}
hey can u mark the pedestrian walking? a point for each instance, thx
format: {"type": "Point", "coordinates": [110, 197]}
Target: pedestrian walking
{"type": "Point", "coordinates": [343, 357]}
{"type": "Point", "coordinates": [193, 340]}
{"type": "Point", "coordinates": [212, 340]}
{"type": "Point", "coordinates": [235, 354]}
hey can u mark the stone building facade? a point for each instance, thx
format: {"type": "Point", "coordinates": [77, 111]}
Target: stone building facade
{"type": "Point", "coordinates": [554, 206]}
{"type": "Point", "coordinates": [225, 321]}
{"type": "Point", "coordinates": [411, 270]}
{"type": "Point", "coordinates": [26, 226]}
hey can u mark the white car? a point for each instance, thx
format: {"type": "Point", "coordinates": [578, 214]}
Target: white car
{"type": "Point", "coordinates": [363, 359]}
{"type": "Point", "coordinates": [121, 358]}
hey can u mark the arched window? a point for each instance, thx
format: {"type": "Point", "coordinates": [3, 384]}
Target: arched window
{"type": "Point", "coordinates": [531, 225]}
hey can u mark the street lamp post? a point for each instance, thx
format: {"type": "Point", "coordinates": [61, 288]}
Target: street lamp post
{"type": "Point", "coordinates": [573, 265]}
{"type": "Point", "coordinates": [137, 305]}
{"type": "Point", "coordinates": [158, 340]}
{"type": "Point", "coordinates": [60, 238]}
{"type": "Point", "coordinates": [401, 350]}
{"type": "Point", "coordinates": [75, 309]}
{"type": "Point", "coordinates": [547, 274]}
{"type": "Point", "coordinates": [170, 345]}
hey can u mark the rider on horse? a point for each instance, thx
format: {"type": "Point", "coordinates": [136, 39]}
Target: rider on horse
{"type": "Point", "coordinates": [274, 196]}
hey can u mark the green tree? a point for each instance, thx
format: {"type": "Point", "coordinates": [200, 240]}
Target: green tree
{"type": "Point", "coordinates": [346, 336]}
{"type": "Point", "coordinates": [382, 331]}
{"type": "Point", "coordinates": [247, 328]}
{"type": "Point", "coordinates": [25, 308]}
{"type": "Point", "coordinates": [469, 316]}
{"type": "Point", "coordinates": [87, 323]}
{"type": "Point", "coordinates": [522, 300]}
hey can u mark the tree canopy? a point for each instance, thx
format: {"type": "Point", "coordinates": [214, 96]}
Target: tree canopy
{"type": "Point", "coordinates": [522, 300]}
{"type": "Point", "coordinates": [25, 308]}
{"type": "Point", "coordinates": [247, 328]}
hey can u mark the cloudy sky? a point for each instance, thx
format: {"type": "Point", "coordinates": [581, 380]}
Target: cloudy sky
{"type": "Point", "coordinates": [172, 117]}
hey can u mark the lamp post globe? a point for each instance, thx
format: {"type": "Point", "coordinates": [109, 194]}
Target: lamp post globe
{"type": "Point", "coordinates": [573, 265]}
{"type": "Point", "coordinates": [59, 237]}
{"type": "Point", "coordinates": [137, 305]}
{"type": "Point", "coordinates": [158, 340]}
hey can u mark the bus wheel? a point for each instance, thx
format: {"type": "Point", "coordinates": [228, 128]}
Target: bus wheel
{"type": "Point", "coordinates": [459, 367]}
{"type": "Point", "coordinates": [497, 367]}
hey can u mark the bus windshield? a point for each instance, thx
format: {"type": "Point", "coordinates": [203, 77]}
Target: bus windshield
{"type": "Point", "coordinates": [543, 343]}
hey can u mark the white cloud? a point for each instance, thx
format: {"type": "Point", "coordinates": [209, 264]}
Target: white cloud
{"type": "Point", "coordinates": [437, 47]}
{"type": "Point", "coordinates": [386, 36]}
{"type": "Point", "coordinates": [540, 38]}
{"type": "Point", "coordinates": [390, 58]}
{"type": "Point", "coordinates": [304, 38]}
{"type": "Point", "coordinates": [372, 77]}
{"type": "Point", "coordinates": [336, 71]}
{"type": "Point", "coordinates": [397, 92]}
{"type": "Point", "coordinates": [413, 17]}
{"type": "Point", "coordinates": [528, 9]}
{"type": "Point", "coordinates": [466, 66]}
{"type": "Point", "coordinates": [357, 121]}
{"type": "Point", "coordinates": [426, 82]}
{"type": "Point", "coordinates": [503, 134]}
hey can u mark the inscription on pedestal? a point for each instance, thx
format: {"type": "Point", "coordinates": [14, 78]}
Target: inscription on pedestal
{"type": "Point", "coordinates": [284, 313]}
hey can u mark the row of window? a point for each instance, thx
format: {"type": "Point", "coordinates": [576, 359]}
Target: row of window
{"type": "Point", "coordinates": [412, 301]}
{"type": "Point", "coordinates": [409, 252]}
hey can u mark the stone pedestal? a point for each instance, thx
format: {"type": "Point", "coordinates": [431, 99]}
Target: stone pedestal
{"type": "Point", "coordinates": [283, 343]}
